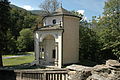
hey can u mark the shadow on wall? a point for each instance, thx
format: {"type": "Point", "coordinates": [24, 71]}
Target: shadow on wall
{"type": "Point", "coordinates": [7, 75]}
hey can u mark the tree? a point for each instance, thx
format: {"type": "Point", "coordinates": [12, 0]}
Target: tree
{"type": "Point", "coordinates": [112, 23]}
{"type": "Point", "coordinates": [21, 19]}
{"type": "Point", "coordinates": [49, 5]}
{"type": "Point", "coordinates": [89, 44]}
{"type": "Point", "coordinates": [11, 43]}
{"type": "Point", "coordinates": [18, 20]}
{"type": "Point", "coordinates": [112, 14]}
{"type": "Point", "coordinates": [4, 22]}
{"type": "Point", "coordinates": [25, 40]}
{"type": "Point", "coordinates": [108, 29]}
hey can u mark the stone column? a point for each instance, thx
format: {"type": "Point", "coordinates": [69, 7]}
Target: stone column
{"type": "Point", "coordinates": [40, 52]}
{"type": "Point", "coordinates": [60, 51]}
{"type": "Point", "coordinates": [40, 56]}
{"type": "Point", "coordinates": [56, 57]}
{"type": "Point", "coordinates": [37, 51]}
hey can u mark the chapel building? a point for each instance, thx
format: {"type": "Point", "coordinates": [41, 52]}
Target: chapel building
{"type": "Point", "coordinates": [57, 41]}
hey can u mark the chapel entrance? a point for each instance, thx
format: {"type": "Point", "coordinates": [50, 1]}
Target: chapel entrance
{"type": "Point", "coordinates": [48, 51]}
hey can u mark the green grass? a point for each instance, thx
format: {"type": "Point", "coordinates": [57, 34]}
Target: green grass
{"type": "Point", "coordinates": [18, 60]}
{"type": "Point", "coordinates": [22, 53]}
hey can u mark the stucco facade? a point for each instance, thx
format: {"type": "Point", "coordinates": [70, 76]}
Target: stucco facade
{"type": "Point", "coordinates": [57, 41]}
{"type": "Point", "coordinates": [71, 40]}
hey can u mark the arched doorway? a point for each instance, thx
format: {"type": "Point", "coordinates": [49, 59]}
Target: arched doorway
{"type": "Point", "coordinates": [48, 50]}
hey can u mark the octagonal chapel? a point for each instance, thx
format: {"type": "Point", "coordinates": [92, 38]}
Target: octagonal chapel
{"type": "Point", "coordinates": [57, 41]}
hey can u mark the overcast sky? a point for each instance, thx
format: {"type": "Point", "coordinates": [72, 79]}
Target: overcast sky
{"type": "Point", "coordinates": [88, 7]}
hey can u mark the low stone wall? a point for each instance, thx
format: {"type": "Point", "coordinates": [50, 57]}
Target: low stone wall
{"type": "Point", "coordinates": [108, 71]}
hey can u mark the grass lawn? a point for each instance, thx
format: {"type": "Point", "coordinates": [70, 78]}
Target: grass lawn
{"type": "Point", "coordinates": [18, 60]}
{"type": "Point", "coordinates": [22, 53]}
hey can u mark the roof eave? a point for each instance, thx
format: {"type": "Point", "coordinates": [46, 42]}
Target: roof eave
{"type": "Point", "coordinates": [63, 15]}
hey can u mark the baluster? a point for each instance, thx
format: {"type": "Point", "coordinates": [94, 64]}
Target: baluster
{"type": "Point", "coordinates": [54, 76]}
{"type": "Point", "coordinates": [51, 76]}
{"type": "Point", "coordinates": [60, 76]}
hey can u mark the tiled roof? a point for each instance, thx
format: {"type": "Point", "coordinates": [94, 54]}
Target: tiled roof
{"type": "Point", "coordinates": [61, 11]}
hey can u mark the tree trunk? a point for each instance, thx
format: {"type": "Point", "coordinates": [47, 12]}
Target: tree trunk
{"type": "Point", "coordinates": [1, 63]}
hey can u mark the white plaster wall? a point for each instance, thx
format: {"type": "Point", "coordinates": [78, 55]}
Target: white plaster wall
{"type": "Point", "coordinates": [49, 20]}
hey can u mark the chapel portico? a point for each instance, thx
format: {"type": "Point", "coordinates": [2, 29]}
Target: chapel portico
{"type": "Point", "coordinates": [49, 47]}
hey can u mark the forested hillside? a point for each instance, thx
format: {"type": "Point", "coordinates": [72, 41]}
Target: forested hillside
{"type": "Point", "coordinates": [22, 22]}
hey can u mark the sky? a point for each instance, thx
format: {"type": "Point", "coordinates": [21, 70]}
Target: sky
{"type": "Point", "coordinates": [88, 8]}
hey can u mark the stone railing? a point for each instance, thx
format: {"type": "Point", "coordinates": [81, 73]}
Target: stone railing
{"type": "Point", "coordinates": [41, 74]}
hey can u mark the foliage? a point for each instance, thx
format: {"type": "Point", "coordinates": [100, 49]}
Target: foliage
{"type": "Point", "coordinates": [111, 7]}
{"type": "Point", "coordinates": [4, 22]}
{"type": "Point", "coordinates": [14, 20]}
{"type": "Point", "coordinates": [49, 5]}
{"type": "Point", "coordinates": [21, 19]}
{"type": "Point", "coordinates": [25, 40]}
{"type": "Point", "coordinates": [86, 62]}
{"type": "Point", "coordinates": [100, 38]}
{"type": "Point", "coordinates": [11, 43]}
{"type": "Point", "coordinates": [108, 30]}
{"type": "Point", "coordinates": [89, 45]}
